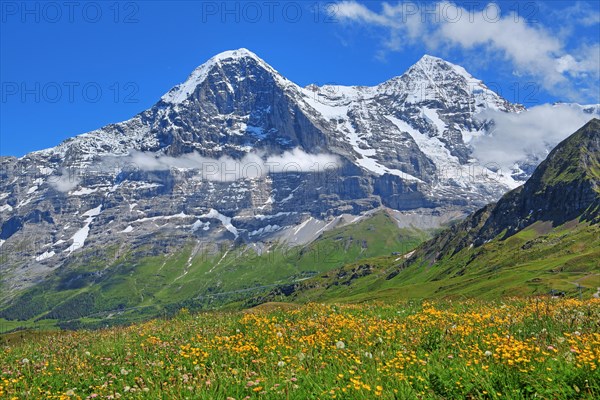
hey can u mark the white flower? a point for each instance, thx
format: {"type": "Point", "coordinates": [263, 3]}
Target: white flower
{"type": "Point", "coordinates": [281, 364]}
{"type": "Point", "coordinates": [25, 361]}
{"type": "Point", "coordinates": [487, 353]}
{"type": "Point", "coordinates": [279, 334]}
{"type": "Point", "coordinates": [340, 345]}
{"type": "Point", "coordinates": [124, 371]}
{"type": "Point", "coordinates": [368, 355]}
{"type": "Point", "coordinates": [126, 389]}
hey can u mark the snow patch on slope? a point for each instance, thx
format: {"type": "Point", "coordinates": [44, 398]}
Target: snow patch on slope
{"type": "Point", "coordinates": [83, 192]}
{"type": "Point", "coordinates": [128, 229]}
{"type": "Point", "coordinates": [81, 235]}
{"type": "Point", "coordinates": [46, 255]}
{"type": "Point", "coordinates": [226, 221]}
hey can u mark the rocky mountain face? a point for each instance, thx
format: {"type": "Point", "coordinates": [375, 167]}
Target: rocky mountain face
{"type": "Point", "coordinates": [541, 238]}
{"type": "Point", "coordinates": [238, 154]}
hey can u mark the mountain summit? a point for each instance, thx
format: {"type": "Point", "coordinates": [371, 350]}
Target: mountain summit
{"type": "Point", "coordinates": [238, 63]}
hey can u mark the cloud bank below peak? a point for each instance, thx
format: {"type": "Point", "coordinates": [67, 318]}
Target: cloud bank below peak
{"type": "Point", "coordinates": [229, 169]}
{"type": "Point", "coordinates": [527, 135]}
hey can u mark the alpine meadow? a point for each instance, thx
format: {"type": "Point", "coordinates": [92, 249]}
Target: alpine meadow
{"type": "Point", "coordinates": [401, 200]}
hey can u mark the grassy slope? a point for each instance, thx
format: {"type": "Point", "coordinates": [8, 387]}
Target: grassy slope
{"type": "Point", "coordinates": [532, 262]}
{"type": "Point", "coordinates": [151, 285]}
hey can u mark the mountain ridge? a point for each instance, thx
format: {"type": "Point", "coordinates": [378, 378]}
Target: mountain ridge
{"type": "Point", "coordinates": [501, 249]}
{"type": "Point", "coordinates": [118, 190]}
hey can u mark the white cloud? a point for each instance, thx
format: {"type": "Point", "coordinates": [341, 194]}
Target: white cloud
{"type": "Point", "coordinates": [64, 182]}
{"type": "Point", "coordinates": [531, 49]}
{"type": "Point", "coordinates": [228, 169]}
{"type": "Point", "coordinates": [532, 133]}
{"type": "Point", "coordinates": [356, 11]}
{"type": "Point", "coordinates": [298, 160]}
{"type": "Point", "coordinates": [579, 13]}
{"type": "Point", "coordinates": [403, 19]}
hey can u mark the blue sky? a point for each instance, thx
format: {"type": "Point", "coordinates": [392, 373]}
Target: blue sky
{"type": "Point", "coordinates": [66, 70]}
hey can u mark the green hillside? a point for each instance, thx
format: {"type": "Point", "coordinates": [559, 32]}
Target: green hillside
{"type": "Point", "coordinates": [137, 286]}
{"type": "Point", "coordinates": [533, 262]}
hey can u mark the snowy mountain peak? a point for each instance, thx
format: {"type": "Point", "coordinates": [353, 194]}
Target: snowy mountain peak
{"type": "Point", "coordinates": [427, 58]}
{"type": "Point", "coordinates": [233, 58]}
{"type": "Point", "coordinates": [239, 53]}
{"type": "Point", "coordinates": [437, 83]}
{"type": "Point", "coordinates": [436, 65]}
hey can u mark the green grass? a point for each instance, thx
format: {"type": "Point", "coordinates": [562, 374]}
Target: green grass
{"type": "Point", "coordinates": [575, 159]}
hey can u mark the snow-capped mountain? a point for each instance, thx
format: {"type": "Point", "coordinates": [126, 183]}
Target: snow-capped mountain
{"type": "Point", "coordinates": [239, 154]}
